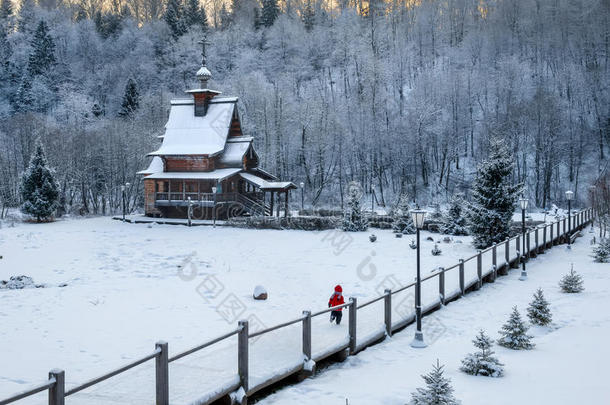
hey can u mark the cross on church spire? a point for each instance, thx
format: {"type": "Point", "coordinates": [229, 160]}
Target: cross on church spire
{"type": "Point", "coordinates": [203, 74]}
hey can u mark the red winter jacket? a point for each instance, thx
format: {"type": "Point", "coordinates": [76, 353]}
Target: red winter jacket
{"type": "Point", "coordinates": [336, 298]}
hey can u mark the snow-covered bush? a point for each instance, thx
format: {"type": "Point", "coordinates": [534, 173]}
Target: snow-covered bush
{"type": "Point", "coordinates": [572, 283]}
{"type": "Point", "coordinates": [482, 362]}
{"type": "Point", "coordinates": [538, 311]}
{"type": "Point", "coordinates": [514, 333]}
{"type": "Point", "coordinates": [372, 237]}
{"type": "Point", "coordinates": [438, 389]}
{"type": "Point", "coordinates": [353, 218]}
{"type": "Point", "coordinates": [454, 221]}
{"type": "Point", "coordinates": [601, 252]}
{"type": "Point", "coordinates": [436, 251]}
{"type": "Point", "coordinates": [403, 222]}
{"type": "Point", "coordinates": [413, 245]}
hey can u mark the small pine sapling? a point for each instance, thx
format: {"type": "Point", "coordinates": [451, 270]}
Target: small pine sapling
{"type": "Point", "coordinates": [413, 245]}
{"type": "Point", "coordinates": [372, 237]}
{"type": "Point", "coordinates": [438, 389]}
{"type": "Point", "coordinates": [538, 311]}
{"type": "Point", "coordinates": [514, 333]}
{"type": "Point", "coordinates": [436, 251]}
{"type": "Point", "coordinates": [572, 283]}
{"type": "Point", "coordinates": [601, 252]}
{"type": "Point", "coordinates": [482, 362]}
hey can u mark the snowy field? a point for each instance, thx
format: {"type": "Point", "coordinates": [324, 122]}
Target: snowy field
{"type": "Point", "coordinates": [129, 286]}
{"type": "Point", "coordinates": [126, 290]}
{"type": "Point", "coordinates": [567, 366]}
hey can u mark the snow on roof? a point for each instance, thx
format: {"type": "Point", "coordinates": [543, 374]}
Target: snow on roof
{"type": "Point", "coordinates": [218, 174]}
{"type": "Point", "coordinates": [234, 153]}
{"type": "Point", "coordinates": [155, 166]}
{"type": "Point", "coordinates": [264, 184]}
{"type": "Point", "coordinates": [187, 134]}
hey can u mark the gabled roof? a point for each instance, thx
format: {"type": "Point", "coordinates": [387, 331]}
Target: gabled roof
{"type": "Point", "coordinates": [187, 134]}
{"type": "Point", "coordinates": [267, 185]}
{"type": "Point", "coordinates": [235, 149]}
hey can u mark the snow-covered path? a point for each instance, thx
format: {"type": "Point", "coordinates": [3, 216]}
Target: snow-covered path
{"type": "Point", "coordinates": [567, 366]}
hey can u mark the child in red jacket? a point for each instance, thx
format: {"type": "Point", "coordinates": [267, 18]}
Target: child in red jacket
{"type": "Point", "coordinates": [336, 299]}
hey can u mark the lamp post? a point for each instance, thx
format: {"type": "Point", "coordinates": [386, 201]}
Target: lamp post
{"type": "Point", "coordinates": [592, 189]}
{"type": "Point", "coordinates": [302, 196]}
{"type": "Point", "coordinates": [523, 202]}
{"type": "Point", "coordinates": [214, 208]}
{"type": "Point", "coordinates": [189, 211]}
{"type": "Point", "coordinates": [418, 341]}
{"type": "Point", "coordinates": [569, 196]}
{"type": "Point", "coordinates": [123, 187]}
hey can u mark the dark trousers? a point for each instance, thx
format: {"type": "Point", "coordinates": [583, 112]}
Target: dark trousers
{"type": "Point", "coordinates": [336, 316]}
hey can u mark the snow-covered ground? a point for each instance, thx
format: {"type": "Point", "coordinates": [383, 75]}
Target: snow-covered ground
{"type": "Point", "coordinates": [567, 366]}
{"type": "Point", "coordinates": [131, 285]}
{"type": "Point", "coordinates": [126, 290]}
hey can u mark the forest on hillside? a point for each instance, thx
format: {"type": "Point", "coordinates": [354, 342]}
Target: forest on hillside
{"type": "Point", "coordinates": [401, 96]}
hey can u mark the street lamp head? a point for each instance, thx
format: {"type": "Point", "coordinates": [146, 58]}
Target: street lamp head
{"type": "Point", "coordinates": [214, 190]}
{"type": "Point", "coordinates": [302, 185]}
{"type": "Point", "coordinates": [122, 188]}
{"type": "Point", "coordinates": [418, 218]}
{"type": "Point", "coordinates": [523, 202]}
{"type": "Point", "coordinates": [569, 195]}
{"type": "Point", "coordinates": [127, 184]}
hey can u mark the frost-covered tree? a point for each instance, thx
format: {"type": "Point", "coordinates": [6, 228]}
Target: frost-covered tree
{"type": "Point", "coordinates": [195, 15]}
{"type": "Point", "coordinates": [24, 99]}
{"type": "Point", "coordinates": [482, 362]}
{"type": "Point", "coordinates": [438, 390]}
{"type": "Point", "coordinates": [353, 218]}
{"type": "Point", "coordinates": [572, 283]}
{"type": "Point", "coordinates": [493, 197]}
{"type": "Point", "coordinates": [538, 311]}
{"type": "Point", "coordinates": [42, 57]}
{"type": "Point", "coordinates": [270, 12]}
{"type": "Point", "coordinates": [174, 18]}
{"type": "Point", "coordinates": [454, 221]}
{"type": "Point", "coordinates": [131, 99]}
{"type": "Point", "coordinates": [514, 333]}
{"type": "Point", "coordinates": [308, 16]}
{"type": "Point", "coordinates": [25, 20]}
{"type": "Point", "coordinates": [601, 251]}
{"type": "Point", "coordinates": [401, 214]}
{"type": "Point", "coordinates": [6, 10]}
{"type": "Point", "coordinates": [39, 190]}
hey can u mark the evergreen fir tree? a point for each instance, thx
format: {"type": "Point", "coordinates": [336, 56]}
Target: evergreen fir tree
{"type": "Point", "coordinates": [25, 20]}
{"type": "Point", "coordinates": [107, 24]}
{"type": "Point", "coordinates": [514, 333]}
{"type": "Point", "coordinates": [226, 18]}
{"type": "Point", "coordinates": [195, 15]}
{"type": "Point", "coordinates": [309, 16]}
{"type": "Point", "coordinates": [572, 283]}
{"type": "Point", "coordinates": [174, 18]}
{"type": "Point", "coordinates": [42, 58]}
{"type": "Point", "coordinates": [203, 19]}
{"type": "Point", "coordinates": [491, 211]}
{"type": "Point", "coordinates": [353, 219]}
{"type": "Point", "coordinates": [270, 12]}
{"type": "Point", "coordinates": [601, 252]}
{"type": "Point", "coordinates": [6, 51]}
{"type": "Point", "coordinates": [403, 222]}
{"type": "Point", "coordinates": [538, 311]}
{"type": "Point", "coordinates": [6, 10]}
{"type": "Point", "coordinates": [454, 221]}
{"type": "Point", "coordinates": [39, 190]}
{"type": "Point", "coordinates": [24, 99]}
{"type": "Point", "coordinates": [131, 99]}
{"type": "Point", "coordinates": [482, 362]}
{"type": "Point", "coordinates": [438, 389]}
{"type": "Point", "coordinates": [258, 22]}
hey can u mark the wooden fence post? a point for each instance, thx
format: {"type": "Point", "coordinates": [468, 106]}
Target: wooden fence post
{"type": "Point", "coordinates": [506, 257]}
{"type": "Point", "coordinates": [543, 238]}
{"type": "Point", "coordinates": [494, 262]}
{"type": "Point", "coordinates": [558, 239]}
{"type": "Point", "coordinates": [536, 242]}
{"type": "Point", "coordinates": [387, 312]}
{"type": "Point", "coordinates": [352, 324]}
{"type": "Point", "coordinates": [479, 270]}
{"type": "Point", "coordinates": [565, 233]}
{"type": "Point", "coordinates": [57, 391]}
{"type": "Point", "coordinates": [462, 289]}
{"type": "Point", "coordinates": [552, 239]}
{"type": "Point", "coordinates": [518, 249]}
{"type": "Point", "coordinates": [307, 334]}
{"type": "Point", "coordinates": [242, 354]}
{"type": "Point", "coordinates": [162, 374]}
{"type": "Point", "coordinates": [527, 243]}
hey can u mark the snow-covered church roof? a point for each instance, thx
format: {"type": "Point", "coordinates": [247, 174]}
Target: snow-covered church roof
{"type": "Point", "coordinates": [188, 134]}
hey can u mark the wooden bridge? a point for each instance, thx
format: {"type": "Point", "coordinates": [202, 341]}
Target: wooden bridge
{"type": "Point", "coordinates": [442, 286]}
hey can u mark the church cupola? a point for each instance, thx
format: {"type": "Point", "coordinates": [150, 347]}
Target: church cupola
{"type": "Point", "coordinates": [203, 95]}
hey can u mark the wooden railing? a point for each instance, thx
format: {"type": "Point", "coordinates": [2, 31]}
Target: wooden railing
{"type": "Point", "coordinates": [543, 237]}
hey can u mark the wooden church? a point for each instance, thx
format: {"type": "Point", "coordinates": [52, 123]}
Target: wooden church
{"type": "Point", "coordinates": [205, 162]}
